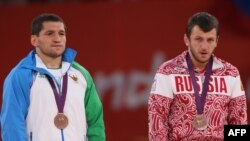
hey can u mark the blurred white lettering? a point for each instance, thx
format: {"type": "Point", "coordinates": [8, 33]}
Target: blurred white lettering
{"type": "Point", "coordinates": [128, 90]}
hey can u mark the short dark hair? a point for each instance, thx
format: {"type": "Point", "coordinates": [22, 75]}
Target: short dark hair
{"type": "Point", "coordinates": [38, 21]}
{"type": "Point", "coordinates": [204, 20]}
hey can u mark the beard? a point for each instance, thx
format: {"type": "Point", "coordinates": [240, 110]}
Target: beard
{"type": "Point", "coordinates": [51, 53]}
{"type": "Point", "coordinates": [198, 58]}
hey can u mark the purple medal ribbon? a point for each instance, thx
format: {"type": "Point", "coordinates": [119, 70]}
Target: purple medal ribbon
{"type": "Point", "coordinates": [60, 100]}
{"type": "Point", "coordinates": [200, 100]}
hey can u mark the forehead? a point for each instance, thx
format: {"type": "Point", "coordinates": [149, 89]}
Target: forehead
{"type": "Point", "coordinates": [51, 25]}
{"type": "Point", "coordinates": [197, 31]}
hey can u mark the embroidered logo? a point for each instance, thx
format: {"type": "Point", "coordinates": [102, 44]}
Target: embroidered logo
{"type": "Point", "coordinates": [41, 75]}
{"type": "Point", "coordinates": [74, 77]}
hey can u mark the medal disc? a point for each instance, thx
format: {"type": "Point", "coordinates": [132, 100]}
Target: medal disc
{"type": "Point", "coordinates": [200, 122]}
{"type": "Point", "coordinates": [61, 121]}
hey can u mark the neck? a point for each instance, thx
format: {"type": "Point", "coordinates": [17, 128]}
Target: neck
{"type": "Point", "coordinates": [197, 64]}
{"type": "Point", "coordinates": [50, 62]}
{"type": "Point", "coordinates": [198, 70]}
{"type": "Point", "coordinates": [53, 63]}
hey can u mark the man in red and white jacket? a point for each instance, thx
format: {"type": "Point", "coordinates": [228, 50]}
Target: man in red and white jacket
{"type": "Point", "coordinates": [196, 106]}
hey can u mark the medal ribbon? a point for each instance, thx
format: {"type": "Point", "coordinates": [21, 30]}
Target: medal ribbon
{"type": "Point", "coordinates": [200, 100]}
{"type": "Point", "coordinates": [60, 100]}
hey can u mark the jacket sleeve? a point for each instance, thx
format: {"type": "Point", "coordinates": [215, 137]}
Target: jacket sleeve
{"type": "Point", "coordinates": [238, 103]}
{"type": "Point", "coordinates": [159, 104]}
{"type": "Point", "coordinates": [15, 106]}
{"type": "Point", "coordinates": [94, 109]}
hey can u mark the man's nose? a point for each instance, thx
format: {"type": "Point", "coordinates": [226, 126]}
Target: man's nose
{"type": "Point", "coordinates": [204, 44]}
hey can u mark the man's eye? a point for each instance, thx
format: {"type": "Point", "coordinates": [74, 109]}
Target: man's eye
{"type": "Point", "coordinates": [199, 39]}
{"type": "Point", "coordinates": [49, 33]}
{"type": "Point", "coordinates": [62, 33]}
{"type": "Point", "coordinates": [210, 40]}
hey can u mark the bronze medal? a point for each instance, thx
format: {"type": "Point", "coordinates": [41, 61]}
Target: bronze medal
{"type": "Point", "coordinates": [200, 122]}
{"type": "Point", "coordinates": [61, 121]}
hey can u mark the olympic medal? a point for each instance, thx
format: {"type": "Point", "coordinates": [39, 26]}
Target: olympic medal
{"type": "Point", "coordinates": [200, 122]}
{"type": "Point", "coordinates": [61, 121]}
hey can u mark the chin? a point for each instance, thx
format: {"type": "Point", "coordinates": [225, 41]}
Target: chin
{"type": "Point", "coordinates": [55, 55]}
{"type": "Point", "coordinates": [204, 60]}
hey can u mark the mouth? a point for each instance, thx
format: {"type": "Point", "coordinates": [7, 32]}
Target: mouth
{"type": "Point", "coordinates": [57, 46]}
{"type": "Point", "coordinates": [203, 53]}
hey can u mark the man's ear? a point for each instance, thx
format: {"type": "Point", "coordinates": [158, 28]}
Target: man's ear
{"type": "Point", "coordinates": [217, 40]}
{"type": "Point", "coordinates": [186, 40]}
{"type": "Point", "coordinates": [33, 40]}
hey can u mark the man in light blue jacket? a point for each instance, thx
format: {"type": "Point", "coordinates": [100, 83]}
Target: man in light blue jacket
{"type": "Point", "coordinates": [48, 96]}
